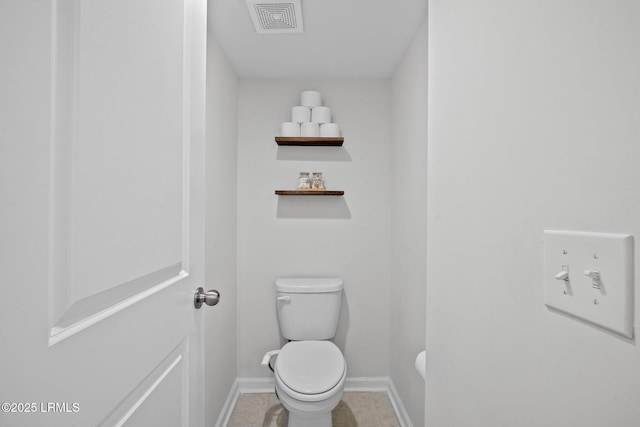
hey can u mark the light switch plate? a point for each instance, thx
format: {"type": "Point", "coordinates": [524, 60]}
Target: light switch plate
{"type": "Point", "coordinates": [607, 302]}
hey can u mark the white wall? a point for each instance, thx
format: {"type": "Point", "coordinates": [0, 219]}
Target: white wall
{"type": "Point", "coordinates": [408, 223]}
{"type": "Point", "coordinates": [220, 250]}
{"type": "Point", "coordinates": [326, 236]}
{"type": "Point", "coordinates": [533, 124]}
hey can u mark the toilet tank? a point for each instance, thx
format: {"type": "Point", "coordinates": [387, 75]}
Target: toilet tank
{"type": "Point", "coordinates": [308, 307]}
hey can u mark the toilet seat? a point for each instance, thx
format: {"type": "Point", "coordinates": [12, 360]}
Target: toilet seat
{"type": "Point", "coordinates": [310, 367]}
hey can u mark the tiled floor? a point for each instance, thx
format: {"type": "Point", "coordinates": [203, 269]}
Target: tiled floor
{"type": "Point", "coordinates": [356, 409]}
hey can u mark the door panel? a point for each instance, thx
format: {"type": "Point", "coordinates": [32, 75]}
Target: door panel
{"type": "Point", "coordinates": [118, 114]}
{"type": "Point", "coordinates": [128, 153]}
{"type": "Point", "coordinates": [145, 404]}
{"type": "Point", "coordinates": [102, 211]}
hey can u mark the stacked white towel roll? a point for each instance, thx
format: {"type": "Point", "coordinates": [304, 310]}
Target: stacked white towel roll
{"type": "Point", "coordinates": [309, 129]}
{"type": "Point", "coordinates": [311, 98]}
{"type": "Point", "coordinates": [301, 114]}
{"type": "Point", "coordinates": [289, 129]}
{"type": "Point", "coordinates": [310, 118]}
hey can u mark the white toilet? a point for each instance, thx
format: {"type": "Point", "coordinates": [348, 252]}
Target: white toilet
{"type": "Point", "coordinates": [310, 371]}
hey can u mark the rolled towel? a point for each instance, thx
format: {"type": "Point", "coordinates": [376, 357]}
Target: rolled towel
{"type": "Point", "coordinates": [310, 98]}
{"type": "Point", "coordinates": [421, 364]}
{"type": "Point", "coordinates": [290, 129]}
{"type": "Point", "coordinates": [321, 115]}
{"type": "Point", "coordinates": [310, 129]}
{"type": "Point", "coordinates": [300, 114]}
{"type": "Point", "coordinates": [329, 129]}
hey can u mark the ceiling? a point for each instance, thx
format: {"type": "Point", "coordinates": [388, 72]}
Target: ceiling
{"type": "Point", "coordinates": [341, 39]}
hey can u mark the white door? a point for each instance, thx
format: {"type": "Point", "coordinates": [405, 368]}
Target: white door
{"type": "Point", "coordinates": [101, 212]}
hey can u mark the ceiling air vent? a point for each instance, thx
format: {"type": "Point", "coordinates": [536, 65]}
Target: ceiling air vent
{"type": "Point", "coordinates": [276, 17]}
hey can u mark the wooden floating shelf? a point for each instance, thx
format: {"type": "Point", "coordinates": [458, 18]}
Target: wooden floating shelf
{"type": "Point", "coordinates": [310, 141]}
{"type": "Point", "coordinates": [309, 193]}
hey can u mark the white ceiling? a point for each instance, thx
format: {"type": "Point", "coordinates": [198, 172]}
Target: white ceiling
{"type": "Point", "coordinates": [341, 39]}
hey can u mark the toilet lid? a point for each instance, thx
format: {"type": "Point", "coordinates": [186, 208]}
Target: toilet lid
{"type": "Point", "coordinates": [310, 367]}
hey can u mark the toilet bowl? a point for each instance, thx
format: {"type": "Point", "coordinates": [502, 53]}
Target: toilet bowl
{"type": "Point", "coordinates": [309, 377]}
{"type": "Point", "coordinates": [309, 370]}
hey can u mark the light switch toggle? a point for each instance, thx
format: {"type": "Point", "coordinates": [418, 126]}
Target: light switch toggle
{"type": "Point", "coordinates": [564, 274]}
{"type": "Point", "coordinates": [595, 276]}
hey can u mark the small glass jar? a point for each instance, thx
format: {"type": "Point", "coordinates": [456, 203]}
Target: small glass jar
{"type": "Point", "coordinates": [317, 183]}
{"type": "Point", "coordinates": [304, 182]}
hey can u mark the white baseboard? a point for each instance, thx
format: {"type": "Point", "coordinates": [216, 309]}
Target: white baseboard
{"type": "Point", "coordinates": [380, 384]}
{"type": "Point", "coordinates": [229, 404]}
{"type": "Point", "coordinates": [398, 406]}
{"type": "Point", "coordinates": [256, 385]}
{"type": "Point", "coordinates": [267, 385]}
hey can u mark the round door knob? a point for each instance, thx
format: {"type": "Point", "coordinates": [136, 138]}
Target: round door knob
{"type": "Point", "coordinates": [211, 297]}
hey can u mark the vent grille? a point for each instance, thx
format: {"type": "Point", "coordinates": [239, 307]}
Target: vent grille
{"type": "Point", "coordinates": [276, 17]}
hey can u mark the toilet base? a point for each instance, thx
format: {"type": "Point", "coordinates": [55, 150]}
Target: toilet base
{"type": "Point", "coordinates": [309, 420]}
{"type": "Point", "coordinates": [310, 414]}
